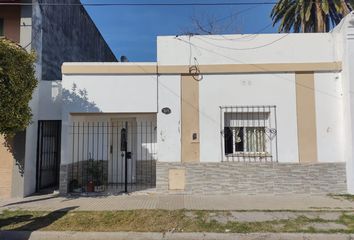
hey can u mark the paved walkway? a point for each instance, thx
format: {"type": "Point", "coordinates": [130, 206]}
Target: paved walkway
{"type": "Point", "coordinates": [168, 236]}
{"type": "Point", "coordinates": [52, 202]}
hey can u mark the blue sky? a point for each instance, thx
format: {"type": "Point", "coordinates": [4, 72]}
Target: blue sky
{"type": "Point", "coordinates": [132, 30]}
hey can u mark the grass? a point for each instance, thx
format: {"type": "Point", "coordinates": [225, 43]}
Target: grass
{"type": "Point", "coordinates": [159, 221]}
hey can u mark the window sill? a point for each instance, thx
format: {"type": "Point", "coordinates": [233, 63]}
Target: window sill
{"type": "Point", "coordinates": [249, 154]}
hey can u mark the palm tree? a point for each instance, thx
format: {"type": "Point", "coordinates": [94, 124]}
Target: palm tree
{"type": "Point", "coordinates": [309, 15]}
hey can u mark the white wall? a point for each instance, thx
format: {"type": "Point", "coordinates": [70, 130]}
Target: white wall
{"type": "Point", "coordinates": [105, 94]}
{"type": "Point", "coordinates": [265, 89]}
{"type": "Point", "coordinates": [169, 125]}
{"type": "Point", "coordinates": [50, 100]}
{"type": "Point", "coordinates": [247, 49]}
{"type": "Point", "coordinates": [347, 40]}
{"type": "Point", "coordinates": [31, 148]}
{"type": "Point", "coordinates": [110, 93]}
{"type": "Point", "coordinates": [329, 117]}
{"type": "Point", "coordinates": [247, 89]}
{"type": "Point", "coordinates": [253, 89]}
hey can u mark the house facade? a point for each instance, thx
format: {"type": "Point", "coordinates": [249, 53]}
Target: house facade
{"type": "Point", "coordinates": [56, 33]}
{"type": "Point", "coordinates": [262, 113]}
{"type": "Point", "coordinates": [216, 114]}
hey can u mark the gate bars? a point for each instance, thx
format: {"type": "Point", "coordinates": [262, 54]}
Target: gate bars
{"type": "Point", "coordinates": [48, 153]}
{"type": "Point", "coordinates": [112, 157]}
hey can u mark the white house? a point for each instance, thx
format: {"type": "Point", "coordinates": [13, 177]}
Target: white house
{"type": "Point", "coordinates": [259, 113]}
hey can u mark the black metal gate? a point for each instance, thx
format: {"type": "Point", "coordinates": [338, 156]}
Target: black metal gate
{"type": "Point", "coordinates": [112, 157]}
{"type": "Point", "coordinates": [48, 153]}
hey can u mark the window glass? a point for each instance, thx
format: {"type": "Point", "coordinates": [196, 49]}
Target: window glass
{"type": "Point", "coordinates": [249, 133]}
{"type": "Point", "coordinates": [245, 139]}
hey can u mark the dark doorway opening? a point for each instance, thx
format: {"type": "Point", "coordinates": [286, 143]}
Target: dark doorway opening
{"type": "Point", "coordinates": [48, 154]}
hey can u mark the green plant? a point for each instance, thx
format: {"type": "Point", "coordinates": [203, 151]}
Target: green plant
{"type": "Point", "coordinates": [17, 83]}
{"type": "Point", "coordinates": [74, 184]}
{"type": "Point", "coordinates": [96, 171]}
{"type": "Point", "coordinates": [309, 16]}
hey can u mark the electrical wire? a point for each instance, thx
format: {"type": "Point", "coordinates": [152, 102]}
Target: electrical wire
{"type": "Point", "coordinates": [244, 3]}
{"type": "Point", "coordinates": [242, 49]}
{"type": "Point", "coordinates": [203, 26]}
{"type": "Point", "coordinates": [257, 66]}
{"type": "Point", "coordinates": [244, 36]}
{"type": "Point", "coordinates": [178, 95]}
{"type": "Point", "coordinates": [235, 14]}
{"type": "Point", "coordinates": [207, 116]}
{"type": "Point", "coordinates": [144, 4]}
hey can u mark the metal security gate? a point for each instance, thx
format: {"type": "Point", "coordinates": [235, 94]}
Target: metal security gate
{"type": "Point", "coordinates": [48, 154]}
{"type": "Point", "coordinates": [123, 160]}
{"type": "Point", "coordinates": [112, 157]}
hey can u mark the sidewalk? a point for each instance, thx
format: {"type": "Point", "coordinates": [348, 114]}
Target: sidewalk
{"type": "Point", "coordinates": [168, 236]}
{"type": "Point", "coordinates": [262, 216]}
{"type": "Point", "coordinates": [53, 202]}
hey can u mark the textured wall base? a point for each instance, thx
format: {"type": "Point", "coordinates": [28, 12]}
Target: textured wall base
{"type": "Point", "coordinates": [63, 179]}
{"type": "Point", "coordinates": [256, 178]}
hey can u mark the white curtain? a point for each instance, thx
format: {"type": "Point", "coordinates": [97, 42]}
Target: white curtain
{"type": "Point", "coordinates": [255, 139]}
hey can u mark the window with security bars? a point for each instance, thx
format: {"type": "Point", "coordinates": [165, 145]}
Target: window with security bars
{"type": "Point", "coordinates": [249, 133]}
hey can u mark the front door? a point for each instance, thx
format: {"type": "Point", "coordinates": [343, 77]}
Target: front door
{"type": "Point", "coordinates": [48, 154]}
{"type": "Point", "coordinates": [122, 165]}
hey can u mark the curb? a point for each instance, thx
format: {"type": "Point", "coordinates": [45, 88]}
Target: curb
{"type": "Point", "coordinates": [54, 235]}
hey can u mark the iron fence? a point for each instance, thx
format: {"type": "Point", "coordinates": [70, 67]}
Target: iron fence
{"type": "Point", "coordinates": [249, 133]}
{"type": "Point", "coordinates": [112, 157]}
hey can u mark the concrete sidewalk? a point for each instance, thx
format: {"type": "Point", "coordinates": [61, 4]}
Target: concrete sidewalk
{"type": "Point", "coordinates": [167, 236]}
{"type": "Point", "coordinates": [52, 202]}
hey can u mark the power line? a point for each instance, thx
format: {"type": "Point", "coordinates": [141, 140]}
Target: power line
{"type": "Point", "coordinates": [261, 68]}
{"type": "Point", "coordinates": [143, 4]}
{"type": "Point", "coordinates": [235, 14]}
{"type": "Point", "coordinates": [203, 26]}
{"type": "Point", "coordinates": [244, 36]}
{"type": "Point", "coordinates": [242, 49]}
{"type": "Point", "coordinates": [244, 3]}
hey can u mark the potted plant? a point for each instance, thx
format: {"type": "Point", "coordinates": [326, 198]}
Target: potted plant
{"type": "Point", "coordinates": [74, 186]}
{"type": "Point", "coordinates": [97, 176]}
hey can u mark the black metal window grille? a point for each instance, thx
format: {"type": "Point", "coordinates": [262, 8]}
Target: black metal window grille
{"type": "Point", "coordinates": [112, 157]}
{"type": "Point", "coordinates": [249, 133]}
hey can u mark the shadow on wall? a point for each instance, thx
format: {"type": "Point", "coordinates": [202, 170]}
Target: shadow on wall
{"type": "Point", "coordinates": [28, 222]}
{"type": "Point", "coordinates": [76, 100]}
{"type": "Point", "coordinates": [16, 146]}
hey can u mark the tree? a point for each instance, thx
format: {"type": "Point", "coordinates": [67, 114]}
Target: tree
{"type": "Point", "coordinates": [17, 82]}
{"type": "Point", "coordinates": [309, 15]}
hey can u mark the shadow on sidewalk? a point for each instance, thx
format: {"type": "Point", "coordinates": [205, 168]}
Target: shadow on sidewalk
{"type": "Point", "coordinates": [34, 223]}
{"type": "Point", "coordinates": [30, 201]}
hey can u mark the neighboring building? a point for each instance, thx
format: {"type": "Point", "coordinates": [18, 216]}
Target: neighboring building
{"type": "Point", "coordinates": [262, 113]}
{"type": "Point", "coordinates": [57, 34]}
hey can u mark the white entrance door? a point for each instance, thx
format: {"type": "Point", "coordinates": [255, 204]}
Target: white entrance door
{"type": "Point", "coordinates": [123, 146]}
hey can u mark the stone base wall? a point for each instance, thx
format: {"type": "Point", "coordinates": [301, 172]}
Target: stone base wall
{"type": "Point", "coordinates": [255, 178]}
{"type": "Point", "coordinates": [146, 172]}
{"type": "Point", "coordinates": [63, 179]}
